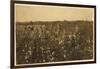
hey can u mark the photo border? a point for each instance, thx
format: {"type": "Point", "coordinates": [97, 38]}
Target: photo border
{"type": "Point", "coordinates": [12, 58]}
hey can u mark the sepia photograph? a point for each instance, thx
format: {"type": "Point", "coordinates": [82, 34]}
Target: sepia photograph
{"type": "Point", "coordinates": [51, 34]}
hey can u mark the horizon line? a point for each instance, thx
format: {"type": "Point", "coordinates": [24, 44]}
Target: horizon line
{"type": "Point", "coordinates": [55, 21]}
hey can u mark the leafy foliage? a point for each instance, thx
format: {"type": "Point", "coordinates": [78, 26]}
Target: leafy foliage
{"type": "Point", "coordinates": [39, 42]}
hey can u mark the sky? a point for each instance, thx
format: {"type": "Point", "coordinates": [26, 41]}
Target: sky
{"type": "Point", "coordinates": [25, 12]}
